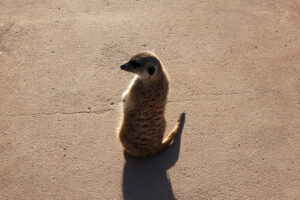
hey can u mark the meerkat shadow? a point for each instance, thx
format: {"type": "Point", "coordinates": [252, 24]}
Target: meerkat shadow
{"type": "Point", "coordinates": [147, 178]}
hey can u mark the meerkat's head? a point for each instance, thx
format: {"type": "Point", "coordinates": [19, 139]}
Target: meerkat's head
{"type": "Point", "coordinates": [145, 64]}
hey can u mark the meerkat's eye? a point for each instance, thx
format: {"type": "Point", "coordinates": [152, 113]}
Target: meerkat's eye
{"type": "Point", "coordinates": [151, 70]}
{"type": "Point", "coordinates": [134, 64]}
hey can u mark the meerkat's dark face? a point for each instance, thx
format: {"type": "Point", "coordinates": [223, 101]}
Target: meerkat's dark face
{"type": "Point", "coordinates": [144, 64]}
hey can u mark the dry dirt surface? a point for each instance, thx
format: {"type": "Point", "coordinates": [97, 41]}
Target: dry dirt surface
{"type": "Point", "coordinates": [235, 71]}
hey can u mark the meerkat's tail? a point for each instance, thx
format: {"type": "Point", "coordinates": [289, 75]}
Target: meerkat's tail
{"type": "Point", "coordinates": [170, 138]}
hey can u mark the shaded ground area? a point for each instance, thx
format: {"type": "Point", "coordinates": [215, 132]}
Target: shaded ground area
{"type": "Point", "coordinates": [235, 71]}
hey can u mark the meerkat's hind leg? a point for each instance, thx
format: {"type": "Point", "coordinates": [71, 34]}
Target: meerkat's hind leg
{"type": "Point", "coordinates": [170, 138]}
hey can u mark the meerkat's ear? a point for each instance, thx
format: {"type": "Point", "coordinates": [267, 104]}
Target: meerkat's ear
{"type": "Point", "coordinates": [151, 70]}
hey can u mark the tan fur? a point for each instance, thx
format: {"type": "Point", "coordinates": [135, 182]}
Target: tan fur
{"type": "Point", "coordinates": [143, 125]}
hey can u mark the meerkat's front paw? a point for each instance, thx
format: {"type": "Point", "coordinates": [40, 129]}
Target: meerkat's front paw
{"type": "Point", "coordinates": [124, 96]}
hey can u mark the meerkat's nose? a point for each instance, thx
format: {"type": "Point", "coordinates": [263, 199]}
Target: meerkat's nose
{"type": "Point", "coordinates": [124, 66]}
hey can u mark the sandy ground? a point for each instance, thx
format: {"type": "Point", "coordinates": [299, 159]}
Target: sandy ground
{"type": "Point", "coordinates": [234, 68]}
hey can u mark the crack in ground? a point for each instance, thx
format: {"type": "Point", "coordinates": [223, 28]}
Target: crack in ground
{"type": "Point", "coordinates": [229, 93]}
{"type": "Point", "coordinates": [61, 113]}
{"type": "Point", "coordinates": [106, 110]}
{"type": "Point", "coordinates": [214, 94]}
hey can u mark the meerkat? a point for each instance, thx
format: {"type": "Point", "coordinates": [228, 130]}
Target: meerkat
{"type": "Point", "coordinates": [143, 125]}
